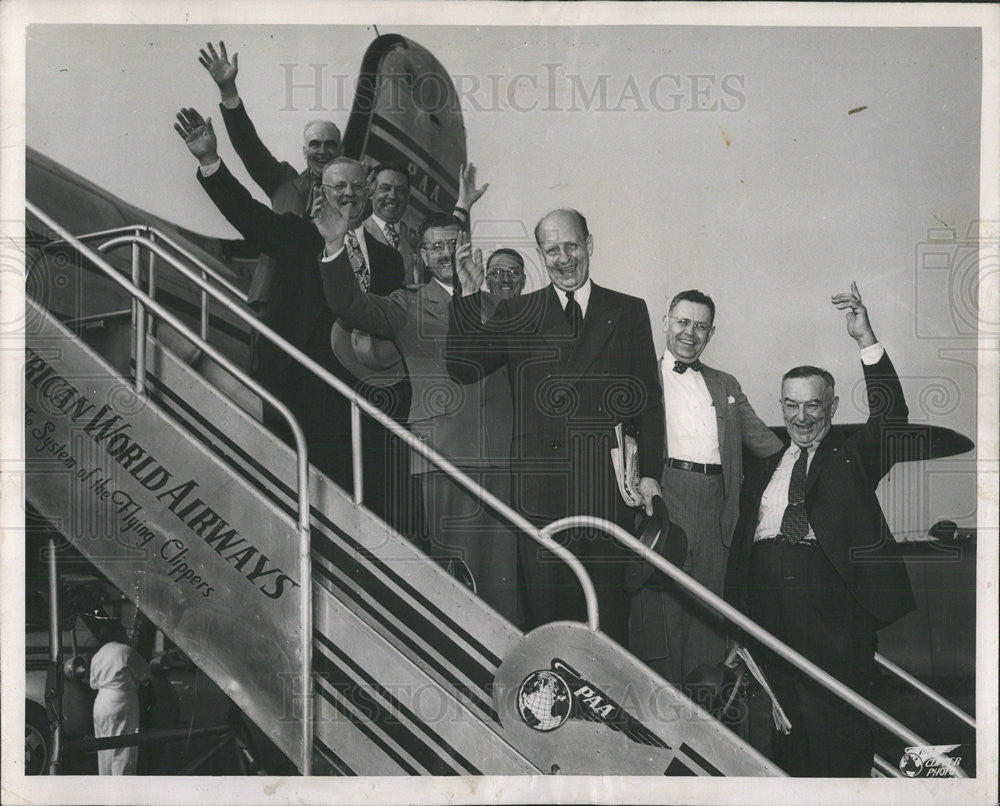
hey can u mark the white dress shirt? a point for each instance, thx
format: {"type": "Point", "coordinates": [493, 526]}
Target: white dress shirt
{"type": "Point", "coordinates": [775, 499]}
{"type": "Point", "coordinates": [581, 295]}
{"type": "Point", "coordinates": [383, 224]}
{"type": "Point", "coordinates": [359, 233]}
{"type": "Point", "coordinates": [692, 429]}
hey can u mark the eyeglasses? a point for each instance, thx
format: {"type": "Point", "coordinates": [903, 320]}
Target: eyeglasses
{"type": "Point", "coordinates": [812, 407]}
{"type": "Point", "coordinates": [700, 327]}
{"type": "Point", "coordinates": [440, 246]}
{"type": "Point", "coordinates": [340, 187]}
{"type": "Point", "coordinates": [510, 274]}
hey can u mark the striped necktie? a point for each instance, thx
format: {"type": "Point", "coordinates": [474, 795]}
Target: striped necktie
{"type": "Point", "coordinates": [358, 261]}
{"type": "Point", "coordinates": [391, 235]}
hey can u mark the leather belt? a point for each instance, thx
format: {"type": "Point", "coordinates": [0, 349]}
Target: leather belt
{"type": "Point", "coordinates": [781, 540]}
{"type": "Point", "coordinates": [694, 467]}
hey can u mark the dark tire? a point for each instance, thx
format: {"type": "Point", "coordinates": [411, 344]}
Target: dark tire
{"type": "Point", "coordinates": [37, 739]}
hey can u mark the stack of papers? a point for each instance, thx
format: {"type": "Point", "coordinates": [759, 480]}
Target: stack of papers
{"type": "Point", "coordinates": [625, 460]}
{"type": "Point", "coordinates": [780, 719]}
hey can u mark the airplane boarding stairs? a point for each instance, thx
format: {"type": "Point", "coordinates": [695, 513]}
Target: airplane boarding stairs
{"type": "Point", "coordinates": [195, 511]}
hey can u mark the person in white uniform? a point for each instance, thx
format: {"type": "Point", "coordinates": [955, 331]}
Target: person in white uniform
{"type": "Point", "coordinates": [116, 672]}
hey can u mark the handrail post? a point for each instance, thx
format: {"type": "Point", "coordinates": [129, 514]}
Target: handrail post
{"type": "Point", "coordinates": [54, 681]}
{"type": "Point", "coordinates": [140, 300]}
{"type": "Point", "coordinates": [589, 593]}
{"type": "Point", "coordinates": [138, 323]}
{"type": "Point", "coordinates": [306, 613]}
{"type": "Point", "coordinates": [152, 272]}
{"type": "Point", "coordinates": [359, 493]}
{"type": "Point", "coordinates": [204, 308]}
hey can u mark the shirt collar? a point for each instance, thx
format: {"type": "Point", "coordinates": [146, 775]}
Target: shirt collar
{"type": "Point", "coordinates": [382, 224]}
{"type": "Point", "coordinates": [581, 295]}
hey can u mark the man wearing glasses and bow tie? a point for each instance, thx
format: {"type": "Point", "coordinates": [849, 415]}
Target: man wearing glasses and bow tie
{"type": "Point", "coordinates": [709, 421]}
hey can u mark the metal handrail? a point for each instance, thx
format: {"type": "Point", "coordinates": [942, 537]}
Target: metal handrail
{"type": "Point", "coordinates": [751, 627]}
{"type": "Point", "coordinates": [166, 238]}
{"type": "Point", "coordinates": [305, 557]}
{"type": "Point", "coordinates": [924, 689]}
{"type": "Point", "coordinates": [358, 404]}
{"type": "Point", "coordinates": [544, 536]}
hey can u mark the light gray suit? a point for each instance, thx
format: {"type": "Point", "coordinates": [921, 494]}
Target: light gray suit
{"type": "Point", "coordinates": [669, 629]}
{"type": "Point", "coordinates": [470, 425]}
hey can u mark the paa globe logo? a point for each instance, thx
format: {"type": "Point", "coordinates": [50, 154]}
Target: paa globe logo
{"type": "Point", "coordinates": [543, 700]}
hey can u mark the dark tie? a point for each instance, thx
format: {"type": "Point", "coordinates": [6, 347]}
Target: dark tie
{"type": "Point", "coordinates": [574, 314]}
{"type": "Point", "coordinates": [680, 367]}
{"type": "Point", "coordinates": [358, 261]}
{"type": "Point", "coordinates": [795, 523]}
{"type": "Point", "coordinates": [391, 235]}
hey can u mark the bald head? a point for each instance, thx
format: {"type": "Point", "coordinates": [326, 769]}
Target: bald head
{"type": "Point", "coordinates": [320, 144]}
{"type": "Point", "coordinates": [565, 246]}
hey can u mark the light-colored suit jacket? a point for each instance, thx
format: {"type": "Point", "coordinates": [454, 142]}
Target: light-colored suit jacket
{"type": "Point", "coordinates": [470, 425]}
{"type": "Point", "coordinates": [739, 428]}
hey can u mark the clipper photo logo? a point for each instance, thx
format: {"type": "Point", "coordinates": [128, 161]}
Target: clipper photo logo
{"type": "Point", "coordinates": [931, 761]}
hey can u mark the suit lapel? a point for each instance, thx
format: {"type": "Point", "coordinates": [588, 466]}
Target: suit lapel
{"type": "Point", "coordinates": [303, 184]}
{"type": "Point", "coordinates": [598, 324]}
{"type": "Point", "coordinates": [434, 300]}
{"type": "Point", "coordinates": [714, 383]}
{"type": "Point", "coordinates": [375, 230]}
{"type": "Point", "coordinates": [827, 450]}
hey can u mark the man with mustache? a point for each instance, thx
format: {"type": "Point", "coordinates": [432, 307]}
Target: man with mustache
{"type": "Point", "coordinates": [390, 197]}
{"type": "Point", "coordinates": [450, 418]}
{"type": "Point", "coordinates": [813, 561]}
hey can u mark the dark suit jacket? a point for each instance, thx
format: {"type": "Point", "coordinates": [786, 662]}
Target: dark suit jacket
{"type": "Point", "coordinates": [739, 428]}
{"type": "Point", "coordinates": [842, 507]}
{"type": "Point", "coordinates": [298, 310]}
{"type": "Point", "coordinates": [287, 188]}
{"type": "Point", "coordinates": [568, 394]}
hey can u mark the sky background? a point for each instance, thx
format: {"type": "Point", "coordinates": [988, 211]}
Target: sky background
{"type": "Point", "coordinates": [761, 189]}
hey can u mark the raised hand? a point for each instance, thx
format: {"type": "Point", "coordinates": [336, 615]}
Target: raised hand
{"type": "Point", "coordinates": [198, 134]}
{"type": "Point", "coordinates": [858, 325]}
{"type": "Point", "coordinates": [468, 265]}
{"type": "Point", "coordinates": [468, 193]}
{"type": "Point", "coordinates": [222, 71]}
{"type": "Point", "coordinates": [332, 221]}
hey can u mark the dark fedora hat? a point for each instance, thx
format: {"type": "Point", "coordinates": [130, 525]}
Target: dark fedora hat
{"type": "Point", "coordinates": [664, 537]}
{"type": "Point", "coordinates": [368, 358]}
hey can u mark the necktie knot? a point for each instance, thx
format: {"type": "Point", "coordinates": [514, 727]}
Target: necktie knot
{"type": "Point", "coordinates": [681, 367]}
